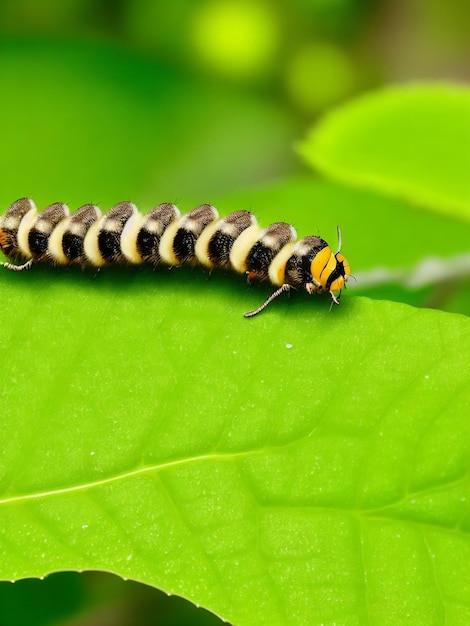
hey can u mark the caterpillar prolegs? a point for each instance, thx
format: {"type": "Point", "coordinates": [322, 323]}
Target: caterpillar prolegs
{"type": "Point", "coordinates": [87, 237]}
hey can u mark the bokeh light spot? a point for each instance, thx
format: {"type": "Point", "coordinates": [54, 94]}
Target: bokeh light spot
{"type": "Point", "coordinates": [236, 38]}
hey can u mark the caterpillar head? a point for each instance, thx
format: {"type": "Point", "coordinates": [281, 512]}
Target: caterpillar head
{"type": "Point", "coordinates": [329, 273]}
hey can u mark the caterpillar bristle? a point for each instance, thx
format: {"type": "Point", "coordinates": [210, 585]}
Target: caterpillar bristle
{"type": "Point", "coordinates": [123, 235]}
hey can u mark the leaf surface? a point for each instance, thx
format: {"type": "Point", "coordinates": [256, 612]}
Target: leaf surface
{"type": "Point", "coordinates": [302, 467]}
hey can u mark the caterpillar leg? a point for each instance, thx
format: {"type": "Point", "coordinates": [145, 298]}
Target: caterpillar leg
{"type": "Point", "coordinates": [18, 268]}
{"type": "Point", "coordinates": [282, 288]}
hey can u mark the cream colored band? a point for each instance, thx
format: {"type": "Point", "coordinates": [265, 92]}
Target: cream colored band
{"type": "Point", "coordinates": [277, 268]}
{"type": "Point", "coordinates": [202, 244]}
{"type": "Point", "coordinates": [242, 246]}
{"type": "Point", "coordinates": [129, 238]}
{"type": "Point", "coordinates": [90, 244]}
{"type": "Point", "coordinates": [23, 231]}
{"type": "Point", "coordinates": [54, 245]}
{"type": "Point", "coordinates": [166, 243]}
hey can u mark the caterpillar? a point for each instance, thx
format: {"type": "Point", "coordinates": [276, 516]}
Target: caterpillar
{"type": "Point", "coordinates": [122, 235]}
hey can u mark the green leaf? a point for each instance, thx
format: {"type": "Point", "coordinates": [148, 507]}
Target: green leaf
{"type": "Point", "coordinates": [407, 141]}
{"type": "Point", "coordinates": [302, 467]}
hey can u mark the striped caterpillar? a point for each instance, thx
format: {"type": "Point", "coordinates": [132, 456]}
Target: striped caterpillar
{"type": "Point", "coordinates": [123, 235]}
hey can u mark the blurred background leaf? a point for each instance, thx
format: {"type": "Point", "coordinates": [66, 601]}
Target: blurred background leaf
{"type": "Point", "coordinates": [89, 122]}
{"type": "Point", "coordinates": [412, 142]}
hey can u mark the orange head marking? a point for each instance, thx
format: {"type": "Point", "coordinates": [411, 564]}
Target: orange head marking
{"type": "Point", "coordinates": [329, 272]}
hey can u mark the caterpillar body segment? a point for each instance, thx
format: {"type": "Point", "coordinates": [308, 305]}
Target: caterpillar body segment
{"type": "Point", "coordinates": [241, 247]}
{"type": "Point", "coordinates": [216, 242]}
{"type": "Point", "coordinates": [10, 228]}
{"type": "Point", "coordinates": [264, 250]}
{"type": "Point", "coordinates": [110, 229]}
{"type": "Point", "coordinates": [178, 243]}
{"type": "Point", "coordinates": [153, 225]}
{"type": "Point", "coordinates": [124, 236]}
{"type": "Point", "coordinates": [66, 243]}
{"type": "Point", "coordinates": [35, 239]}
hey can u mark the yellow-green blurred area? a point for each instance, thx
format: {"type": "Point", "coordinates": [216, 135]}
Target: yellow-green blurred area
{"type": "Point", "coordinates": [185, 100]}
{"type": "Point", "coordinates": [158, 100]}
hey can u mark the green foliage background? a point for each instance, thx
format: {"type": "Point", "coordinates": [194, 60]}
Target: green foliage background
{"type": "Point", "coordinates": [303, 467]}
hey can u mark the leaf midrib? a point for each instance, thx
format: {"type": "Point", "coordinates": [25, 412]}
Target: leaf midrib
{"type": "Point", "coordinates": [125, 475]}
{"type": "Point", "coordinates": [386, 512]}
